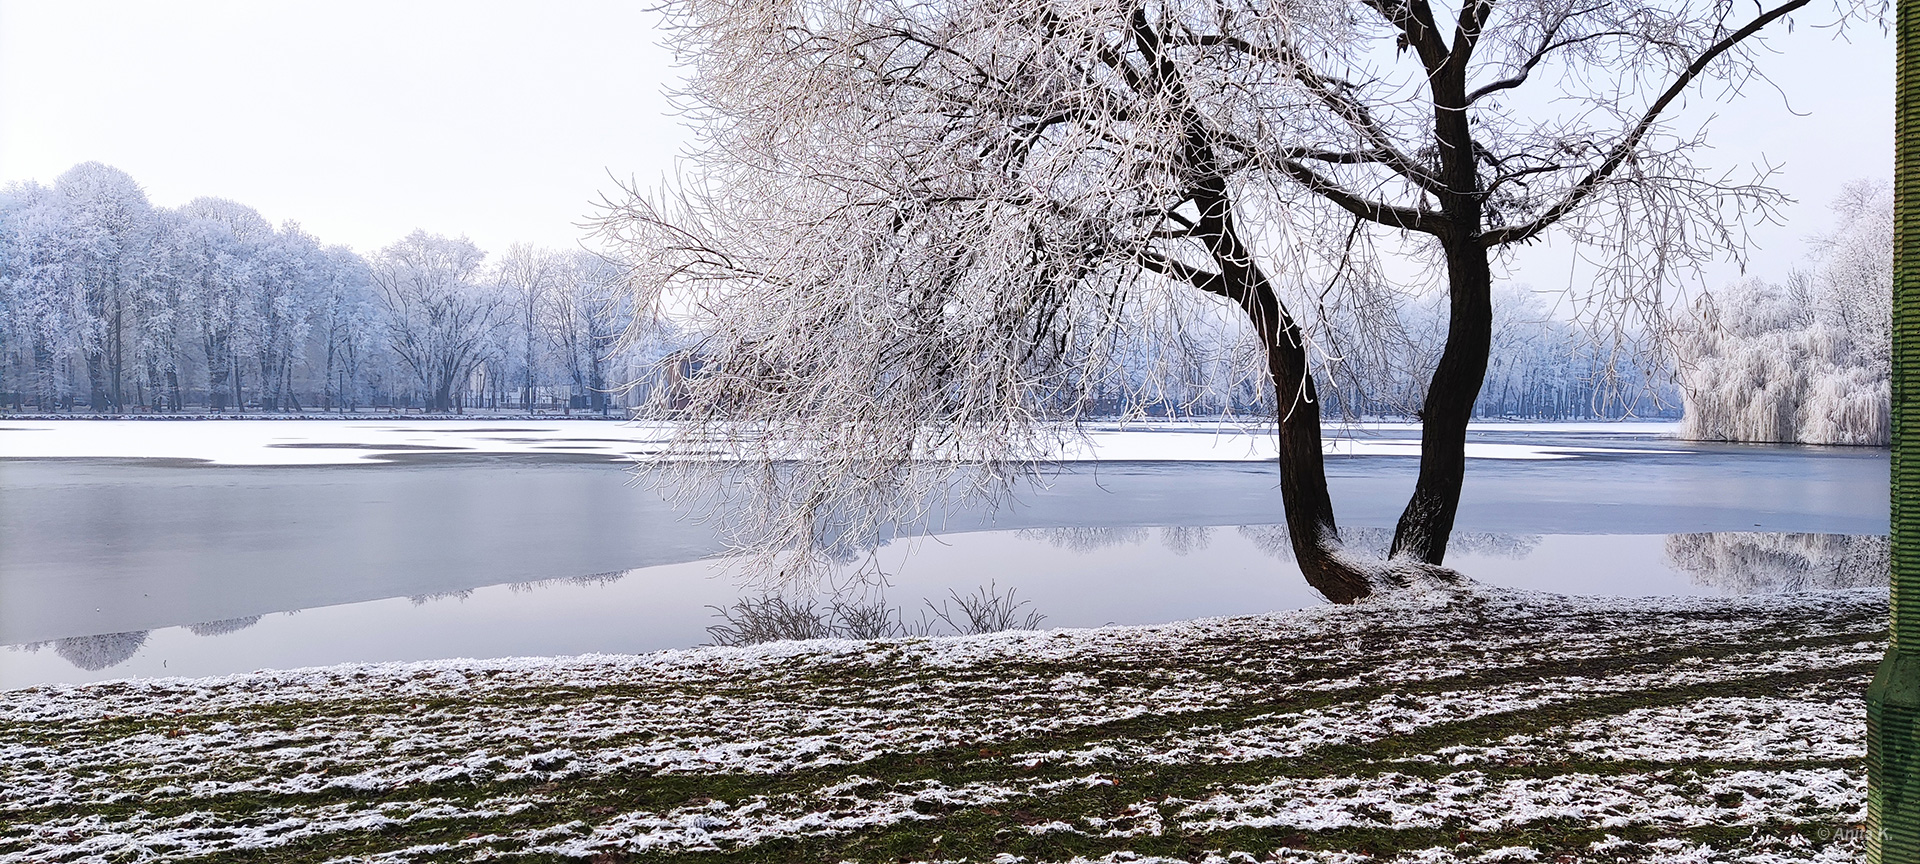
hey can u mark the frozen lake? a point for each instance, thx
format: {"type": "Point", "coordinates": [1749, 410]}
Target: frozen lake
{"type": "Point", "coordinates": [143, 548]}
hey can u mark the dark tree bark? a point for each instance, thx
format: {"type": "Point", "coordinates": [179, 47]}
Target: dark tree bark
{"type": "Point", "coordinates": [1427, 521]}
{"type": "Point", "coordinates": [1303, 474]}
{"type": "Point", "coordinates": [96, 382]}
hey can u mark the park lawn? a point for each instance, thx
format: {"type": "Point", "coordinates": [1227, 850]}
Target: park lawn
{"type": "Point", "coordinates": [1473, 725]}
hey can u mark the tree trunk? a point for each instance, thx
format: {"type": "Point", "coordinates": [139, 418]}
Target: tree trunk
{"type": "Point", "coordinates": [1428, 520]}
{"type": "Point", "coordinates": [96, 382]}
{"type": "Point", "coordinates": [1303, 473]}
{"type": "Point", "coordinates": [116, 356]}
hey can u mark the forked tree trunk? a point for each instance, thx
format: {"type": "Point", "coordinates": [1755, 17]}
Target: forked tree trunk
{"type": "Point", "coordinates": [1420, 541]}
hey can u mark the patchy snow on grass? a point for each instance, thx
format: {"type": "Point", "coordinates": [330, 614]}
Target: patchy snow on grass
{"type": "Point", "coordinates": [1450, 725]}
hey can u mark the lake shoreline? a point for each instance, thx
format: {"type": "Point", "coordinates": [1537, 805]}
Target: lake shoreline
{"type": "Point", "coordinates": [1434, 727]}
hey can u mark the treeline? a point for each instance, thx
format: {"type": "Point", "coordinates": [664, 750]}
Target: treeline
{"type": "Point", "coordinates": [109, 304]}
{"type": "Point", "coordinates": [1541, 366]}
{"type": "Point", "coordinates": [1374, 361]}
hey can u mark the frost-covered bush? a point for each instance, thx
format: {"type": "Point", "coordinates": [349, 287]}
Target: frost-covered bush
{"type": "Point", "coordinates": [1755, 563]}
{"type": "Point", "coordinates": [1807, 360]}
{"type": "Point", "coordinates": [986, 610]}
{"type": "Point", "coordinates": [754, 620]}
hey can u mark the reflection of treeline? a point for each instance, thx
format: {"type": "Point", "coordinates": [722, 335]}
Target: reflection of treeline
{"type": "Point", "coordinates": [96, 652]}
{"type": "Point", "coordinates": [1271, 539]}
{"type": "Point", "coordinates": [773, 618]}
{"type": "Point", "coordinates": [105, 650]}
{"type": "Point", "coordinates": [1743, 562]}
{"type": "Point", "coordinates": [223, 626]}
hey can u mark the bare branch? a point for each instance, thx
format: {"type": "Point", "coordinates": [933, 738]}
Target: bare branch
{"type": "Point", "coordinates": [1621, 150]}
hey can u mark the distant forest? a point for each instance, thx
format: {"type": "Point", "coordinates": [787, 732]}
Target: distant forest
{"type": "Point", "coordinates": [111, 305]}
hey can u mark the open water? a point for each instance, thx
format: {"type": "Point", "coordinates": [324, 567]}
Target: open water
{"type": "Point", "coordinates": [118, 567]}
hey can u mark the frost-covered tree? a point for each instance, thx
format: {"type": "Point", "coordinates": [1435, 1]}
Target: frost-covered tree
{"type": "Point", "coordinates": [911, 230]}
{"type": "Point", "coordinates": [345, 322]}
{"type": "Point", "coordinates": [529, 275]}
{"type": "Point", "coordinates": [102, 240]}
{"type": "Point", "coordinates": [1807, 359]}
{"type": "Point", "coordinates": [42, 324]}
{"type": "Point", "coordinates": [588, 314]}
{"type": "Point", "coordinates": [235, 291]}
{"type": "Point", "coordinates": [438, 320]}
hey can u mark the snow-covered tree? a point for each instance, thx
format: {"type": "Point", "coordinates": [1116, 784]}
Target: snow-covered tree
{"type": "Point", "coordinates": [588, 314]}
{"type": "Point", "coordinates": [530, 276]}
{"type": "Point", "coordinates": [345, 323]}
{"type": "Point", "coordinates": [233, 298]}
{"type": "Point", "coordinates": [911, 231]}
{"type": "Point", "coordinates": [103, 238]}
{"type": "Point", "coordinates": [1806, 359]}
{"type": "Point", "coordinates": [437, 319]}
{"type": "Point", "coordinates": [42, 326]}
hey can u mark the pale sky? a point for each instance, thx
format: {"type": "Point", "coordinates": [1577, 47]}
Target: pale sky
{"type": "Point", "coordinates": [503, 120]}
{"type": "Point", "coordinates": [359, 120]}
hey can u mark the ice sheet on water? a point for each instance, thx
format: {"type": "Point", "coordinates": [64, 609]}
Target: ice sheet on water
{"type": "Point", "coordinates": [372, 442]}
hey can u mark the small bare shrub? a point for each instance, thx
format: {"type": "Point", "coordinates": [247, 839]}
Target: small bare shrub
{"type": "Point", "coordinates": [773, 618]}
{"type": "Point", "coordinates": [986, 610]}
{"type": "Point", "coordinates": [769, 618]}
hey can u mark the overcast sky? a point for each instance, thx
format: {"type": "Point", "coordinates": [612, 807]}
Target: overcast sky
{"type": "Point", "coordinates": [502, 121]}
{"type": "Point", "coordinates": [360, 120]}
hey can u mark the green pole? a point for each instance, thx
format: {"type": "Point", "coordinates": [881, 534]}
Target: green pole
{"type": "Point", "coordinates": [1893, 702]}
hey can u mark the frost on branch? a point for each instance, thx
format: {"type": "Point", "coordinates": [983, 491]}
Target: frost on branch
{"type": "Point", "coordinates": [918, 239]}
{"type": "Point", "coordinates": [1807, 360]}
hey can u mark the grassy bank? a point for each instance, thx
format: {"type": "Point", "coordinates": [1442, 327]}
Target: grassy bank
{"type": "Point", "coordinates": [1488, 726]}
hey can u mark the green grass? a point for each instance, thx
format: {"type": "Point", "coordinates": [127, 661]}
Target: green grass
{"type": "Point", "coordinates": [933, 724]}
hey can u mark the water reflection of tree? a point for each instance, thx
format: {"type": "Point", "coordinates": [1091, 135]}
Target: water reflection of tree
{"type": "Point", "coordinates": [1182, 539]}
{"type": "Point", "coordinates": [591, 579]}
{"type": "Point", "coordinates": [223, 626]}
{"type": "Point", "coordinates": [1751, 562]}
{"type": "Point", "coordinates": [1511, 546]}
{"type": "Point", "coordinates": [1085, 538]}
{"type": "Point", "coordinates": [94, 653]}
{"type": "Point", "coordinates": [1178, 539]}
{"type": "Point", "coordinates": [1273, 540]}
